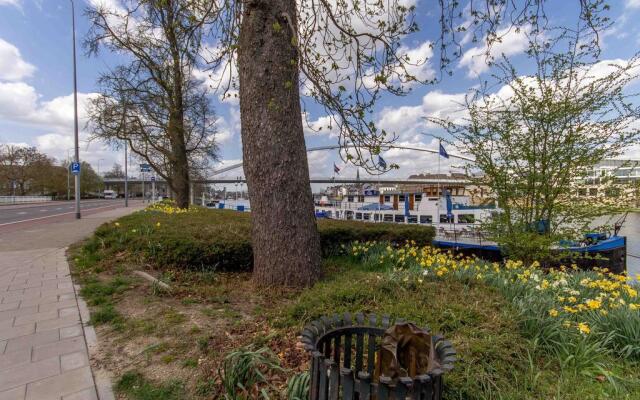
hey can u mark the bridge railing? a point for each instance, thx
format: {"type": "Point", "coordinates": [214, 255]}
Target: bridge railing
{"type": "Point", "coordinates": [24, 199]}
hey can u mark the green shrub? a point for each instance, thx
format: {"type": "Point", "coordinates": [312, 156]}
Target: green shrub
{"type": "Point", "coordinates": [220, 239]}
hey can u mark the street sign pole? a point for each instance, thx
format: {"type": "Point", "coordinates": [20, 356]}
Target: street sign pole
{"type": "Point", "coordinates": [153, 189]}
{"type": "Point", "coordinates": [126, 176]}
{"type": "Point", "coordinates": [143, 187]}
{"type": "Point", "coordinates": [75, 110]}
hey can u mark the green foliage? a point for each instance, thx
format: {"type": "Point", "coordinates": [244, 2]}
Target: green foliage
{"type": "Point", "coordinates": [298, 386]}
{"type": "Point", "coordinates": [220, 239]}
{"type": "Point", "coordinates": [136, 387]}
{"type": "Point", "coordinates": [587, 322]}
{"type": "Point", "coordinates": [537, 139]}
{"type": "Point", "coordinates": [100, 294]}
{"type": "Point", "coordinates": [244, 373]}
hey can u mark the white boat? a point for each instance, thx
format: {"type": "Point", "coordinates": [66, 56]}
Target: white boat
{"type": "Point", "coordinates": [448, 211]}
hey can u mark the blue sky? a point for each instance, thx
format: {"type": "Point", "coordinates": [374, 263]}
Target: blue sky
{"type": "Point", "coordinates": [36, 85]}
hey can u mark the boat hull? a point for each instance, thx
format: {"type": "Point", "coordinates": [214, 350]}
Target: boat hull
{"type": "Point", "coordinates": [610, 254]}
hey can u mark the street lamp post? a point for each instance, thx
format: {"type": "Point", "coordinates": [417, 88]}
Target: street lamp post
{"type": "Point", "coordinates": [126, 176]}
{"type": "Point", "coordinates": [75, 109]}
{"type": "Point", "coordinates": [101, 186]}
{"type": "Point", "coordinates": [68, 175]}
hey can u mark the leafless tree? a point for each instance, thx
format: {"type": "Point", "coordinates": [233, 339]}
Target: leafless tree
{"type": "Point", "coordinates": [152, 101]}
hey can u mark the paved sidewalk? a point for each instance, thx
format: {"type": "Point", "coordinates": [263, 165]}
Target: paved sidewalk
{"type": "Point", "coordinates": [43, 350]}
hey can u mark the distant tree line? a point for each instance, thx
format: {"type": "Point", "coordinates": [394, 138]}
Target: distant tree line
{"type": "Point", "coordinates": [24, 171]}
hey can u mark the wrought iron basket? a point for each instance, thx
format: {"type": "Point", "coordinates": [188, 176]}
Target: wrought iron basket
{"type": "Point", "coordinates": [345, 357]}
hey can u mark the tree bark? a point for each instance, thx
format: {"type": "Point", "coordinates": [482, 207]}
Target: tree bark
{"type": "Point", "coordinates": [284, 233]}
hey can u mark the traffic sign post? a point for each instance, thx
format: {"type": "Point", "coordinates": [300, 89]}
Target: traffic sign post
{"type": "Point", "coordinates": [75, 168]}
{"type": "Point", "coordinates": [153, 189]}
{"type": "Point", "coordinates": [144, 168]}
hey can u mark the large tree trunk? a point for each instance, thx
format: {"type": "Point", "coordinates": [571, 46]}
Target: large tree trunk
{"type": "Point", "coordinates": [284, 235]}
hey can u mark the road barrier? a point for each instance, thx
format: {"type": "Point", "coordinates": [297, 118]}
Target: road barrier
{"type": "Point", "coordinates": [24, 199]}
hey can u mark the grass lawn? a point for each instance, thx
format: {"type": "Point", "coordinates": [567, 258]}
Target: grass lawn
{"type": "Point", "coordinates": [171, 345]}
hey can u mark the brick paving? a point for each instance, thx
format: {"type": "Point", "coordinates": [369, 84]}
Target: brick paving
{"type": "Point", "coordinates": [43, 348]}
{"type": "Point", "coordinates": [44, 351]}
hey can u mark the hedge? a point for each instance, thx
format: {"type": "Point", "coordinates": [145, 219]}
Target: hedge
{"type": "Point", "coordinates": [220, 239]}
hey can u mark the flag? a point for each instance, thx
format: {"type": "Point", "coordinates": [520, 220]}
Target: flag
{"type": "Point", "coordinates": [382, 163]}
{"type": "Point", "coordinates": [336, 169]}
{"type": "Point", "coordinates": [443, 152]}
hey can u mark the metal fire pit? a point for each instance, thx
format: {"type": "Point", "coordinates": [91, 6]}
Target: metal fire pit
{"type": "Point", "coordinates": [345, 361]}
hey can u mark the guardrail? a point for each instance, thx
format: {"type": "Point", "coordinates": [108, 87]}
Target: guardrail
{"type": "Point", "coordinates": [24, 199]}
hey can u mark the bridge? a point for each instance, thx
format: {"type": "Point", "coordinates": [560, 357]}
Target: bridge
{"type": "Point", "coordinates": [336, 181]}
{"type": "Point", "coordinates": [336, 147]}
{"type": "Point", "coordinates": [332, 180]}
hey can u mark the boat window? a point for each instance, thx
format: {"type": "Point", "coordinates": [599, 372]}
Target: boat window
{"type": "Point", "coordinates": [366, 216]}
{"type": "Point", "coordinates": [412, 219]}
{"type": "Point", "coordinates": [350, 199]}
{"type": "Point", "coordinates": [401, 197]}
{"type": "Point", "coordinates": [466, 218]}
{"type": "Point", "coordinates": [376, 217]}
{"type": "Point", "coordinates": [418, 197]}
{"type": "Point", "coordinates": [388, 218]}
{"type": "Point", "coordinates": [444, 219]}
{"type": "Point", "coordinates": [358, 215]}
{"type": "Point", "coordinates": [426, 219]}
{"type": "Point", "coordinates": [387, 198]}
{"type": "Point", "coordinates": [329, 214]}
{"type": "Point", "coordinates": [399, 218]}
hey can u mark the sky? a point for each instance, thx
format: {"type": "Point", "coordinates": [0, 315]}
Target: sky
{"type": "Point", "coordinates": [36, 102]}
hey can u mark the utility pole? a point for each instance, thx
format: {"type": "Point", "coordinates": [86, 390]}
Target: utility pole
{"type": "Point", "coordinates": [75, 109]}
{"type": "Point", "coordinates": [102, 186]}
{"type": "Point", "coordinates": [68, 175]}
{"type": "Point", "coordinates": [126, 175]}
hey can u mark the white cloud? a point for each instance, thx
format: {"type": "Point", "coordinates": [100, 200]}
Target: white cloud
{"type": "Point", "coordinates": [16, 99]}
{"type": "Point", "coordinates": [512, 41]}
{"type": "Point", "coordinates": [408, 121]}
{"type": "Point", "coordinates": [20, 103]}
{"type": "Point", "coordinates": [12, 66]}
{"type": "Point", "coordinates": [15, 3]}
{"type": "Point", "coordinates": [632, 3]}
{"type": "Point", "coordinates": [324, 125]}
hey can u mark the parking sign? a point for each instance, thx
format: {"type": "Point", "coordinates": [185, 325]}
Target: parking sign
{"type": "Point", "coordinates": [75, 168]}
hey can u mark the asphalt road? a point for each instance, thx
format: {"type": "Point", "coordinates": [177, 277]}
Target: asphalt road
{"type": "Point", "coordinates": [14, 214]}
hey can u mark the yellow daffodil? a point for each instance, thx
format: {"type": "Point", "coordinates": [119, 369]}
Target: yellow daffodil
{"type": "Point", "coordinates": [584, 328]}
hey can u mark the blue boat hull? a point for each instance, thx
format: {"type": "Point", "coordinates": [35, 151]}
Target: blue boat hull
{"type": "Point", "coordinates": [610, 253]}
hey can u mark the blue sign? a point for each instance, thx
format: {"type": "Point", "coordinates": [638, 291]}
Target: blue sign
{"type": "Point", "coordinates": [153, 178]}
{"type": "Point", "coordinates": [145, 168]}
{"type": "Point", "coordinates": [75, 168]}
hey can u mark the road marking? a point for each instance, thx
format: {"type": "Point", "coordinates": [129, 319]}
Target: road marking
{"type": "Point", "coordinates": [44, 210]}
{"type": "Point", "coordinates": [22, 213]}
{"type": "Point", "coordinates": [51, 216]}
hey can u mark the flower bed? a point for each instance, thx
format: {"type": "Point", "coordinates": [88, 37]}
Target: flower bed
{"type": "Point", "coordinates": [576, 315]}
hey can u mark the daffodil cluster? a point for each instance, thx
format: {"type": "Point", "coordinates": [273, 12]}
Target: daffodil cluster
{"type": "Point", "coordinates": [587, 303]}
{"type": "Point", "coordinates": [169, 207]}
